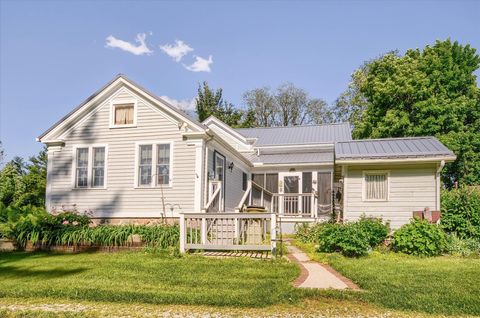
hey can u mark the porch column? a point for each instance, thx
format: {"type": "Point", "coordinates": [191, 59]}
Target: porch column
{"type": "Point", "coordinates": [199, 174]}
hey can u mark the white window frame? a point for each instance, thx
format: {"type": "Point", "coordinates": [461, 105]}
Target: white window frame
{"type": "Point", "coordinates": [154, 145]}
{"type": "Point", "coordinates": [89, 167]}
{"type": "Point", "coordinates": [123, 103]}
{"type": "Point", "coordinates": [364, 185]}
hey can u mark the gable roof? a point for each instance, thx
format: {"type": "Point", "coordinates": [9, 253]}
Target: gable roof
{"type": "Point", "coordinates": [122, 79]}
{"type": "Point", "coordinates": [315, 134]}
{"type": "Point", "coordinates": [392, 148]}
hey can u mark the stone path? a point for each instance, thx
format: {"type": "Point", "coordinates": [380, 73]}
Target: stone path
{"type": "Point", "coordinates": [316, 275]}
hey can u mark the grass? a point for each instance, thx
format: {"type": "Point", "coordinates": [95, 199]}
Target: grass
{"type": "Point", "coordinates": [147, 278]}
{"type": "Point", "coordinates": [137, 284]}
{"type": "Point", "coordinates": [437, 285]}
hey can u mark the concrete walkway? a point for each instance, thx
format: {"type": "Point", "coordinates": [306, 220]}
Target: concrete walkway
{"type": "Point", "coordinates": [316, 275]}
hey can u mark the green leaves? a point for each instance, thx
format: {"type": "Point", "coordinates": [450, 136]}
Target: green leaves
{"type": "Point", "coordinates": [429, 92]}
{"type": "Point", "coordinates": [419, 238]}
{"type": "Point", "coordinates": [461, 212]}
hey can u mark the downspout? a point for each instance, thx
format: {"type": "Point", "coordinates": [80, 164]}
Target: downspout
{"type": "Point", "coordinates": [437, 188]}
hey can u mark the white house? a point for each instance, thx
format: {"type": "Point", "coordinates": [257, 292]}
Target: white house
{"type": "Point", "coordinates": [126, 155]}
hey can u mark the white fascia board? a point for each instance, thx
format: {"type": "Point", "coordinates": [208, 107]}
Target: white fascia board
{"type": "Point", "coordinates": [217, 122]}
{"type": "Point", "coordinates": [396, 160]}
{"type": "Point", "coordinates": [83, 109]}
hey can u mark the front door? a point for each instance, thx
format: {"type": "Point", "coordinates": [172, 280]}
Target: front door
{"type": "Point", "coordinates": [290, 190]}
{"type": "Point", "coordinates": [219, 168]}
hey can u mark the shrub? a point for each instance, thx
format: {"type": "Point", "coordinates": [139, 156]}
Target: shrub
{"type": "Point", "coordinates": [375, 229]}
{"type": "Point", "coordinates": [347, 238]}
{"type": "Point", "coordinates": [350, 239]}
{"type": "Point", "coordinates": [463, 247]}
{"type": "Point", "coordinates": [419, 238]}
{"type": "Point", "coordinates": [461, 212]}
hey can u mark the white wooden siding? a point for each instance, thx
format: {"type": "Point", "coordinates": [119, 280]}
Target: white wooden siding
{"type": "Point", "coordinates": [411, 188]}
{"type": "Point", "coordinates": [120, 198]}
{"type": "Point", "coordinates": [233, 179]}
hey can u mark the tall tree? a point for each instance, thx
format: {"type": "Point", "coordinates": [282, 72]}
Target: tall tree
{"type": "Point", "coordinates": [427, 92]}
{"type": "Point", "coordinates": [287, 106]}
{"type": "Point", "coordinates": [24, 183]}
{"type": "Point", "coordinates": [210, 102]}
{"type": "Point", "coordinates": [207, 101]}
{"type": "Point", "coordinates": [2, 154]}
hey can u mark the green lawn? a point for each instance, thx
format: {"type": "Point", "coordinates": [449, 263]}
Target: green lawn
{"type": "Point", "coordinates": [438, 285]}
{"type": "Point", "coordinates": [393, 285]}
{"type": "Point", "coordinates": [146, 278]}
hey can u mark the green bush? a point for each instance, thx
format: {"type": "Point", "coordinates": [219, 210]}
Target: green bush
{"type": "Point", "coordinates": [35, 225]}
{"type": "Point", "coordinates": [463, 247]}
{"type": "Point", "coordinates": [375, 229]}
{"type": "Point", "coordinates": [419, 238]}
{"type": "Point", "coordinates": [461, 212]}
{"type": "Point", "coordinates": [350, 239]}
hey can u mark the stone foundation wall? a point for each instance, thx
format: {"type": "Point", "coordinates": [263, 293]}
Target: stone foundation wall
{"type": "Point", "coordinates": [135, 221]}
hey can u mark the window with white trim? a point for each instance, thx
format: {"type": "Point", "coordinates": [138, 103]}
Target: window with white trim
{"type": "Point", "coordinates": [90, 167]}
{"type": "Point", "coordinates": [98, 167]}
{"type": "Point", "coordinates": [145, 166]}
{"type": "Point", "coordinates": [81, 173]}
{"type": "Point", "coordinates": [376, 186]}
{"type": "Point", "coordinates": [154, 165]}
{"type": "Point", "coordinates": [123, 114]}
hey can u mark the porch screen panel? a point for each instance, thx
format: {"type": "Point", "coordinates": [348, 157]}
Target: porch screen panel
{"type": "Point", "coordinates": [256, 193]}
{"type": "Point", "coordinates": [271, 185]}
{"type": "Point", "coordinates": [307, 182]}
{"type": "Point", "coordinates": [324, 181]}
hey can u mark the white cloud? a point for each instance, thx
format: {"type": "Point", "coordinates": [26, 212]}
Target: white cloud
{"type": "Point", "coordinates": [185, 105]}
{"type": "Point", "coordinates": [177, 50]}
{"type": "Point", "coordinates": [200, 64]}
{"type": "Point", "coordinates": [139, 49]}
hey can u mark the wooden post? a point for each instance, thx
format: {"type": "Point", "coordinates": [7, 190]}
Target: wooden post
{"type": "Point", "coordinates": [273, 233]}
{"type": "Point", "coordinates": [203, 234]}
{"type": "Point", "coordinates": [183, 233]}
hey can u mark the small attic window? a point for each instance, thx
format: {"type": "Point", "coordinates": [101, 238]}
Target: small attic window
{"type": "Point", "coordinates": [123, 115]}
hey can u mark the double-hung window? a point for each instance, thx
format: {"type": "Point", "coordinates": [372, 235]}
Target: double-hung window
{"type": "Point", "coordinates": [90, 166]}
{"type": "Point", "coordinates": [154, 165]}
{"type": "Point", "coordinates": [375, 186]}
{"type": "Point", "coordinates": [81, 175]}
{"type": "Point", "coordinates": [98, 168]}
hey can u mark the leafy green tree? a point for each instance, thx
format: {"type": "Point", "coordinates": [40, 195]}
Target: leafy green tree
{"type": "Point", "coordinates": [11, 183]}
{"type": "Point", "coordinates": [429, 92]}
{"type": "Point", "coordinates": [210, 102]}
{"type": "Point", "coordinates": [2, 154]}
{"type": "Point", "coordinates": [24, 183]}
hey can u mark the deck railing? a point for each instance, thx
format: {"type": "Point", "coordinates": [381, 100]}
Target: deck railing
{"type": "Point", "coordinates": [228, 231]}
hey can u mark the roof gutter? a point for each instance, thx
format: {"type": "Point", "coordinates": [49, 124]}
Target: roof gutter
{"type": "Point", "coordinates": [397, 160]}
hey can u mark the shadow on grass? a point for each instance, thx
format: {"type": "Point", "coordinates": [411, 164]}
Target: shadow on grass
{"type": "Point", "coordinates": [15, 272]}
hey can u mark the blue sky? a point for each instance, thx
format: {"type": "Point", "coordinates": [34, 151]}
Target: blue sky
{"type": "Point", "coordinates": [53, 54]}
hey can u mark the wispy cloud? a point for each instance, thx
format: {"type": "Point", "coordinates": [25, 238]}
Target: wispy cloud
{"type": "Point", "coordinates": [177, 50]}
{"type": "Point", "coordinates": [185, 105]}
{"type": "Point", "coordinates": [200, 64]}
{"type": "Point", "coordinates": [139, 49]}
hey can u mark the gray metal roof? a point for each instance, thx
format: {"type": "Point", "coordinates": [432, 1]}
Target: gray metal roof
{"type": "Point", "coordinates": [293, 158]}
{"type": "Point", "coordinates": [273, 136]}
{"type": "Point", "coordinates": [391, 148]}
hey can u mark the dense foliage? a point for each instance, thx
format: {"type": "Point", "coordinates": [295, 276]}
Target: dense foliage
{"type": "Point", "coordinates": [462, 246]}
{"type": "Point", "coordinates": [23, 183]}
{"type": "Point", "coordinates": [419, 238]}
{"type": "Point", "coordinates": [350, 239]}
{"type": "Point", "coordinates": [35, 225]}
{"type": "Point", "coordinates": [461, 212]}
{"type": "Point", "coordinates": [429, 92]}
